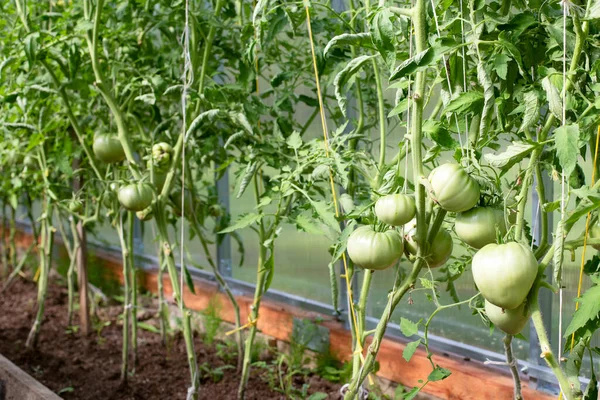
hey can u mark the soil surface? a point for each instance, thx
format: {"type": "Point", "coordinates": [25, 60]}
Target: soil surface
{"type": "Point", "coordinates": [88, 367]}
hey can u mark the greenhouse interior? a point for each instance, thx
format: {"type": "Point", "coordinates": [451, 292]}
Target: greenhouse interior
{"type": "Point", "coordinates": [316, 199]}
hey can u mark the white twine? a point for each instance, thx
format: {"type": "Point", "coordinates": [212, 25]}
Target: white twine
{"type": "Point", "coordinates": [437, 27]}
{"type": "Point", "coordinates": [562, 175]}
{"type": "Point", "coordinates": [513, 363]}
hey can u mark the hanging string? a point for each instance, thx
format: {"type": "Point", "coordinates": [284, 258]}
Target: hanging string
{"type": "Point", "coordinates": [331, 181]}
{"type": "Point", "coordinates": [187, 79]}
{"type": "Point", "coordinates": [439, 34]}
{"type": "Point", "coordinates": [562, 175]}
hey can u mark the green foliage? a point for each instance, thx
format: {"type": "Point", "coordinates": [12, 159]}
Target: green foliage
{"type": "Point", "coordinates": [212, 322]}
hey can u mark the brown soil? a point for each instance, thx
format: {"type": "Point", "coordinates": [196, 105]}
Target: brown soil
{"type": "Point", "coordinates": [79, 367]}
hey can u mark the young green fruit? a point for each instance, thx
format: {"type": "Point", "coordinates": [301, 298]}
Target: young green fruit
{"type": "Point", "coordinates": [374, 250]}
{"type": "Point", "coordinates": [136, 196]}
{"type": "Point", "coordinates": [509, 321]}
{"type": "Point", "coordinates": [453, 188]}
{"type": "Point", "coordinates": [504, 273]}
{"type": "Point", "coordinates": [439, 251]}
{"type": "Point", "coordinates": [108, 149]}
{"type": "Point", "coordinates": [161, 155]}
{"type": "Point", "coordinates": [477, 226]}
{"type": "Point", "coordinates": [76, 206]}
{"type": "Point", "coordinates": [395, 209]}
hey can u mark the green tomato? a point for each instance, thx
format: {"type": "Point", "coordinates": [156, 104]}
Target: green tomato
{"type": "Point", "coordinates": [189, 202]}
{"type": "Point", "coordinates": [136, 196]}
{"type": "Point", "coordinates": [510, 321]}
{"type": "Point", "coordinates": [76, 206]}
{"type": "Point", "coordinates": [477, 227]}
{"type": "Point", "coordinates": [161, 154]}
{"type": "Point", "coordinates": [439, 251]}
{"type": "Point", "coordinates": [374, 250]}
{"type": "Point", "coordinates": [453, 188]}
{"type": "Point", "coordinates": [504, 273]}
{"type": "Point", "coordinates": [108, 149]}
{"type": "Point", "coordinates": [594, 233]}
{"type": "Point", "coordinates": [395, 209]}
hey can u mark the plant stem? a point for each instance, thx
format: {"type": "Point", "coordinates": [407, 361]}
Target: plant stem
{"type": "Point", "coordinates": [547, 354]}
{"type": "Point", "coordinates": [11, 238]}
{"type": "Point", "coordinates": [72, 263]}
{"type": "Point", "coordinates": [261, 275]}
{"type": "Point", "coordinates": [361, 312]}
{"type": "Point", "coordinates": [523, 194]}
{"type": "Point", "coordinates": [512, 363]}
{"type": "Point", "coordinates": [541, 191]}
{"type": "Point", "coordinates": [178, 295]}
{"type": "Point", "coordinates": [134, 290]}
{"type": "Point", "coordinates": [45, 263]}
{"type": "Point", "coordinates": [162, 307]}
{"type": "Point", "coordinates": [126, 298]}
{"type": "Point", "coordinates": [382, 120]}
{"type": "Point", "coordinates": [104, 88]}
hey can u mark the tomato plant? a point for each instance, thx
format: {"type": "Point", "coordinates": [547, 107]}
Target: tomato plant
{"type": "Point", "coordinates": [136, 196]}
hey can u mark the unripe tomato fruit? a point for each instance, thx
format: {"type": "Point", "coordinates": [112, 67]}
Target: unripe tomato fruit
{"type": "Point", "coordinates": [439, 251]}
{"type": "Point", "coordinates": [504, 273]}
{"type": "Point", "coordinates": [453, 188]}
{"type": "Point", "coordinates": [374, 250]}
{"type": "Point", "coordinates": [136, 196]}
{"type": "Point", "coordinates": [76, 206]}
{"type": "Point", "coordinates": [477, 226]}
{"type": "Point", "coordinates": [395, 209]}
{"type": "Point", "coordinates": [509, 321]}
{"type": "Point", "coordinates": [594, 233]}
{"type": "Point", "coordinates": [108, 148]}
{"type": "Point", "coordinates": [161, 154]}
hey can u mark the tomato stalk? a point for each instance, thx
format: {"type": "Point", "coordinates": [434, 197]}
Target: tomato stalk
{"type": "Point", "coordinates": [512, 363]}
{"type": "Point", "coordinates": [123, 238]}
{"type": "Point", "coordinates": [12, 250]}
{"type": "Point", "coordinates": [178, 295]}
{"type": "Point", "coordinates": [104, 88]}
{"type": "Point", "coordinates": [134, 290]}
{"type": "Point", "coordinates": [45, 254]}
{"type": "Point", "coordinates": [162, 307]}
{"type": "Point", "coordinates": [420, 25]}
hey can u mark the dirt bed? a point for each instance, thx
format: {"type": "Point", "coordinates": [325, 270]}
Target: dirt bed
{"type": "Point", "coordinates": [88, 367]}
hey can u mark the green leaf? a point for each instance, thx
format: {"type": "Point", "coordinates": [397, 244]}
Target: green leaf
{"type": "Point", "coordinates": [294, 141]}
{"type": "Point", "coordinates": [409, 66]}
{"type": "Point", "coordinates": [573, 366]}
{"type": "Point", "coordinates": [412, 393]}
{"type": "Point", "coordinates": [382, 34]}
{"type": "Point", "coordinates": [553, 97]}
{"type": "Point", "coordinates": [566, 139]}
{"type": "Point", "coordinates": [438, 374]}
{"type": "Point", "coordinates": [352, 39]}
{"type": "Point", "coordinates": [251, 169]}
{"type": "Point", "coordinates": [342, 78]}
{"type": "Point", "coordinates": [243, 222]}
{"type": "Point", "coordinates": [513, 154]}
{"type": "Point", "coordinates": [591, 393]}
{"type": "Point", "coordinates": [488, 99]}
{"type": "Point", "coordinates": [532, 111]}
{"type": "Point", "coordinates": [318, 396]}
{"type": "Point", "coordinates": [410, 349]}
{"type": "Point", "coordinates": [594, 11]}
{"type": "Point", "coordinates": [409, 328]}
{"type": "Point", "coordinates": [501, 65]}
{"type": "Point", "coordinates": [589, 307]}
{"type": "Point", "coordinates": [307, 225]}
{"type": "Point", "coordinates": [471, 101]}
{"type": "Point", "coordinates": [240, 119]}
{"type": "Point", "coordinates": [325, 212]}
{"type": "Point", "coordinates": [438, 132]}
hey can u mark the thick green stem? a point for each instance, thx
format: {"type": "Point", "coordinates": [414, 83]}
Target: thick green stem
{"type": "Point", "coordinates": [104, 88]}
{"type": "Point", "coordinates": [382, 121]}
{"type": "Point", "coordinates": [126, 298]}
{"type": "Point", "coordinates": [547, 354]}
{"type": "Point", "coordinates": [261, 276]}
{"type": "Point", "coordinates": [178, 295]}
{"type": "Point", "coordinates": [361, 315]}
{"type": "Point", "coordinates": [4, 246]}
{"type": "Point", "coordinates": [512, 363]}
{"type": "Point", "coordinates": [162, 307]}
{"type": "Point", "coordinates": [134, 290]}
{"type": "Point", "coordinates": [541, 191]}
{"type": "Point", "coordinates": [11, 238]}
{"type": "Point", "coordinates": [45, 263]}
{"type": "Point", "coordinates": [71, 271]}
{"type": "Point", "coordinates": [524, 193]}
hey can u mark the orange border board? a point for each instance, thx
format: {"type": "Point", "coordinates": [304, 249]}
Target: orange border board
{"type": "Point", "coordinates": [470, 380]}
